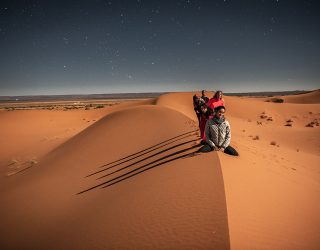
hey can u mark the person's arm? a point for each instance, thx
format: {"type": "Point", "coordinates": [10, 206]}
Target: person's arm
{"type": "Point", "coordinates": [209, 113]}
{"type": "Point", "coordinates": [227, 139]}
{"type": "Point", "coordinates": [208, 135]}
{"type": "Point", "coordinates": [222, 102]}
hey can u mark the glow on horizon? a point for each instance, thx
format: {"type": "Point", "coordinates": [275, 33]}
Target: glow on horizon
{"type": "Point", "coordinates": [242, 87]}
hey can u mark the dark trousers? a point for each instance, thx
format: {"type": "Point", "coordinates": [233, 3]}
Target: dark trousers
{"type": "Point", "coordinates": [198, 116]}
{"type": "Point", "coordinates": [228, 150]}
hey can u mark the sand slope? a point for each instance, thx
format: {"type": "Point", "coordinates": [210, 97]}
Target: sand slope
{"type": "Point", "coordinates": [30, 134]}
{"type": "Point", "coordinates": [311, 97]}
{"type": "Point", "coordinates": [272, 190]}
{"type": "Point", "coordinates": [162, 194]}
{"type": "Point", "coordinates": [177, 204]}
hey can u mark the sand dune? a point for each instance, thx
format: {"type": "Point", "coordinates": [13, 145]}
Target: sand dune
{"type": "Point", "coordinates": [132, 179]}
{"type": "Point", "coordinates": [177, 201]}
{"type": "Point", "coordinates": [179, 102]}
{"type": "Point", "coordinates": [272, 191]}
{"type": "Point", "coordinates": [30, 134]}
{"type": "Point", "coordinates": [311, 97]}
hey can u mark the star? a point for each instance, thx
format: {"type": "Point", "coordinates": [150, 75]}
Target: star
{"type": "Point", "coordinates": [157, 11]}
{"type": "Point", "coordinates": [65, 40]}
{"type": "Point", "coordinates": [143, 48]}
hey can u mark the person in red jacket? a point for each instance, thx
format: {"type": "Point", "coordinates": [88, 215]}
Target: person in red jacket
{"type": "Point", "coordinates": [216, 101]}
{"type": "Point", "coordinates": [206, 114]}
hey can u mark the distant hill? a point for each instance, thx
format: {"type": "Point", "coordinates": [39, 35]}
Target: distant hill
{"type": "Point", "coordinates": [269, 93]}
{"type": "Point", "coordinates": [48, 98]}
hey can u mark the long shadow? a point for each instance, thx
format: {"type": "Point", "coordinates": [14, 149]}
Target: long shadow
{"type": "Point", "coordinates": [218, 207]}
{"type": "Point", "coordinates": [150, 149]}
{"type": "Point", "coordinates": [146, 152]}
{"type": "Point", "coordinates": [127, 175]}
{"type": "Point", "coordinates": [136, 162]}
{"type": "Point", "coordinates": [164, 157]}
{"type": "Point", "coordinates": [156, 165]}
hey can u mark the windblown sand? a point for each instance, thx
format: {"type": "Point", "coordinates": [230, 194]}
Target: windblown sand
{"type": "Point", "coordinates": [128, 177]}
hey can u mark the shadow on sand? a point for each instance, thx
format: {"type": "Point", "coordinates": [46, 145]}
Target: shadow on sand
{"type": "Point", "coordinates": [188, 150]}
{"type": "Point", "coordinates": [179, 147]}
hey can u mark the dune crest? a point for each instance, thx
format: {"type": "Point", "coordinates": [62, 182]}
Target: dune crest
{"type": "Point", "coordinates": [181, 102]}
{"type": "Point", "coordinates": [311, 97]}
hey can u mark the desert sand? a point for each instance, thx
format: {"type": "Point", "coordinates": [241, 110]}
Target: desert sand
{"type": "Point", "coordinates": [129, 177]}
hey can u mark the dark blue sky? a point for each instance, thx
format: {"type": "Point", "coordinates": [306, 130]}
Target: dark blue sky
{"type": "Point", "coordinates": [96, 46]}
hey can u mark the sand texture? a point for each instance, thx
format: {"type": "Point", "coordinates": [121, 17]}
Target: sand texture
{"type": "Point", "coordinates": [129, 177]}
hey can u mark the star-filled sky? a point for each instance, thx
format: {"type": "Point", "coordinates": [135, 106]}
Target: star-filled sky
{"type": "Point", "coordinates": [97, 46]}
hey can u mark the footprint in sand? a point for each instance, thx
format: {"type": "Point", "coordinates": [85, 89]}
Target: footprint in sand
{"type": "Point", "coordinates": [289, 123]}
{"type": "Point", "coordinates": [17, 167]}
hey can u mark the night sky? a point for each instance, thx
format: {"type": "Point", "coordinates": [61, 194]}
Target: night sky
{"type": "Point", "coordinates": [96, 46]}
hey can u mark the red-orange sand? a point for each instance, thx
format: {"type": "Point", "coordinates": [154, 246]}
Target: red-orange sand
{"type": "Point", "coordinates": [128, 177]}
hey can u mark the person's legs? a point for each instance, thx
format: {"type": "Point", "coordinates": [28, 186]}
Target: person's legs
{"type": "Point", "coordinates": [204, 149]}
{"type": "Point", "coordinates": [230, 151]}
{"type": "Point", "coordinates": [202, 127]}
{"type": "Point", "coordinates": [199, 116]}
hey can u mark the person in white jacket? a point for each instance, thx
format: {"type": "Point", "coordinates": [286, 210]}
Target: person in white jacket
{"type": "Point", "coordinates": [218, 134]}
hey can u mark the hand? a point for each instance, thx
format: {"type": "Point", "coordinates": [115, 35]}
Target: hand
{"type": "Point", "coordinates": [221, 149]}
{"type": "Point", "coordinates": [216, 149]}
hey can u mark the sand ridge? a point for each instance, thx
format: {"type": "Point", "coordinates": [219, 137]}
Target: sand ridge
{"type": "Point", "coordinates": [311, 97]}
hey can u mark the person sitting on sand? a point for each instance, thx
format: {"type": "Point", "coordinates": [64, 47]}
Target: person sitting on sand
{"type": "Point", "coordinates": [204, 97]}
{"type": "Point", "coordinates": [218, 134]}
{"type": "Point", "coordinates": [216, 100]}
{"type": "Point", "coordinates": [206, 114]}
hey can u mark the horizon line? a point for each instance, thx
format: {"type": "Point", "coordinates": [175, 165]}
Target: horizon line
{"type": "Point", "coordinates": [155, 92]}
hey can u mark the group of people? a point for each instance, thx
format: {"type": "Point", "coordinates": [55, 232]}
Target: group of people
{"type": "Point", "coordinates": [215, 130]}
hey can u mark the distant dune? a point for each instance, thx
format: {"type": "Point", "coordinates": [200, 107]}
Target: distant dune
{"type": "Point", "coordinates": [129, 177]}
{"type": "Point", "coordinates": [311, 97]}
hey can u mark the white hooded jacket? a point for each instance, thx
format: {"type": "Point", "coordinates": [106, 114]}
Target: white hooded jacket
{"type": "Point", "coordinates": [218, 135]}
